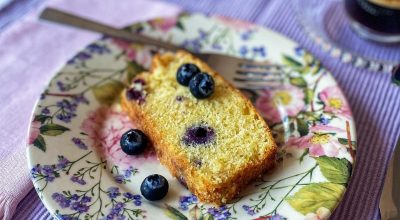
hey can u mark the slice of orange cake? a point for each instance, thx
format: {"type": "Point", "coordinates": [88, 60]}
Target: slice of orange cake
{"type": "Point", "coordinates": [215, 144]}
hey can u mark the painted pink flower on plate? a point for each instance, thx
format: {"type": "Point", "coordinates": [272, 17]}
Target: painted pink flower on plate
{"type": "Point", "coordinates": [320, 142]}
{"type": "Point", "coordinates": [164, 24]}
{"type": "Point", "coordinates": [334, 101]}
{"type": "Point", "coordinates": [34, 131]}
{"type": "Point", "coordinates": [275, 104]}
{"type": "Point", "coordinates": [105, 126]}
{"type": "Point", "coordinates": [322, 213]}
{"type": "Point", "coordinates": [235, 24]}
{"type": "Point", "coordinates": [134, 52]}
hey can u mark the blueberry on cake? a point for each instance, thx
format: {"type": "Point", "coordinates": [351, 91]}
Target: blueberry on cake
{"type": "Point", "coordinates": [204, 130]}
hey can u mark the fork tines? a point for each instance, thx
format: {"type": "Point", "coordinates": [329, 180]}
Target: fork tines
{"type": "Point", "coordinates": [258, 76]}
{"type": "Point", "coordinates": [258, 86]}
{"type": "Point", "coordinates": [259, 65]}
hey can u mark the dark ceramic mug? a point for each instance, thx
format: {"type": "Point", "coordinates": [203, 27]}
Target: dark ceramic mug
{"type": "Point", "coordinates": [377, 20]}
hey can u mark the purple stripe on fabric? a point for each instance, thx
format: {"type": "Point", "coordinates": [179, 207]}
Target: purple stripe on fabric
{"type": "Point", "coordinates": [364, 141]}
{"type": "Point", "coordinates": [16, 9]}
{"type": "Point", "coordinates": [234, 8]}
{"type": "Point", "coordinates": [388, 151]}
{"type": "Point", "coordinates": [371, 133]}
{"type": "Point", "coordinates": [360, 155]}
{"type": "Point", "coordinates": [31, 208]}
{"type": "Point", "coordinates": [365, 189]}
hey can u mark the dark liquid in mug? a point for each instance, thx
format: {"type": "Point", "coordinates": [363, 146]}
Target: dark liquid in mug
{"type": "Point", "coordinates": [379, 15]}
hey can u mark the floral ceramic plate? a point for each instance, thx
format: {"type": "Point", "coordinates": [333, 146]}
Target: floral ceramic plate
{"type": "Point", "coordinates": [80, 172]}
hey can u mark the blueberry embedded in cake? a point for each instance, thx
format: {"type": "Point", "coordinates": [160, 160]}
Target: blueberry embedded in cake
{"type": "Point", "coordinates": [137, 91]}
{"type": "Point", "coordinates": [204, 131]}
{"type": "Point", "coordinates": [199, 135]}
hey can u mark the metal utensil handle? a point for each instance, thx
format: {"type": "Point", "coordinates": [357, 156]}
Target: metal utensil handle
{"type": "Point", "coordinates": [61, 17]}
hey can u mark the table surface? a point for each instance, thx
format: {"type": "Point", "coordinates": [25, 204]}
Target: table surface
{"type": "Point", "coordinates": [371, 96]}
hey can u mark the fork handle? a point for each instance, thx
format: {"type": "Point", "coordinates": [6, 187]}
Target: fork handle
{"type": "Point", "coordinates": [62, 17]}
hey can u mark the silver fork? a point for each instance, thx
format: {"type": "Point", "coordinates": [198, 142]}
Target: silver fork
{"type": "Point", "coordinates": [242, 73]}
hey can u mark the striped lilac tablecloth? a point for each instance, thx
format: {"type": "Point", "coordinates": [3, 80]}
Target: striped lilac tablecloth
{"type": "Point", "coordinates": [374, 101]}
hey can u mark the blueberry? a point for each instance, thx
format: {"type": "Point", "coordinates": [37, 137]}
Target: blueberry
{"type": "Point", "coordinates": [133, 142]}
{"type": "Point", "coordinates": [154, 187]}
{"type": "Point", "coordinates": [201, 86]}
{"type": "Point", "coordinates": [186, 72]}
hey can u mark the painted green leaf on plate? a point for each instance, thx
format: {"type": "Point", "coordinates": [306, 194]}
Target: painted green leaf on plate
{"type": "Point", "coordinates": [305, 153]}
{"type": "Point", "coordinates": [41, 118]}
{"type": "Point", "coordinates": [298, 81]}
{"type": "Point", "coordinates": [309, 95]}
{"type": "Point", "coordinates": [311, 197]}
{"type": "Point", "coordinates": [208, 217]}
{"type": "Point", "coordinates": [312, 65]}
{"type": "Point", "coordinates": [316, 68]}
{"type": "Point", "coordinates": [302, 127]}
{"type": "Point", "coordinates": [334, 169]}
{"type": "Point", "coordinates": [174, 213]}
{"type": "Point", "coordinates": [345, 141]}
{"type": "Point", "coordinates": [53, 129]}
{"type": "Point", "coordinates": [308, 58]}
{"type": "Point", "coordinates": [107, 93]}
{"type": "Point", "coordinates": [40, 143]}
{"type": "Point", "coordinates": [287, 60]}
{"type": "Point", "coordinates": [180, 26]}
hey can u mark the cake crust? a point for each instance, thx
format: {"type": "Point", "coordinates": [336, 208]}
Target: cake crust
{"type": "Point", "coordinates": [180, 166]}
